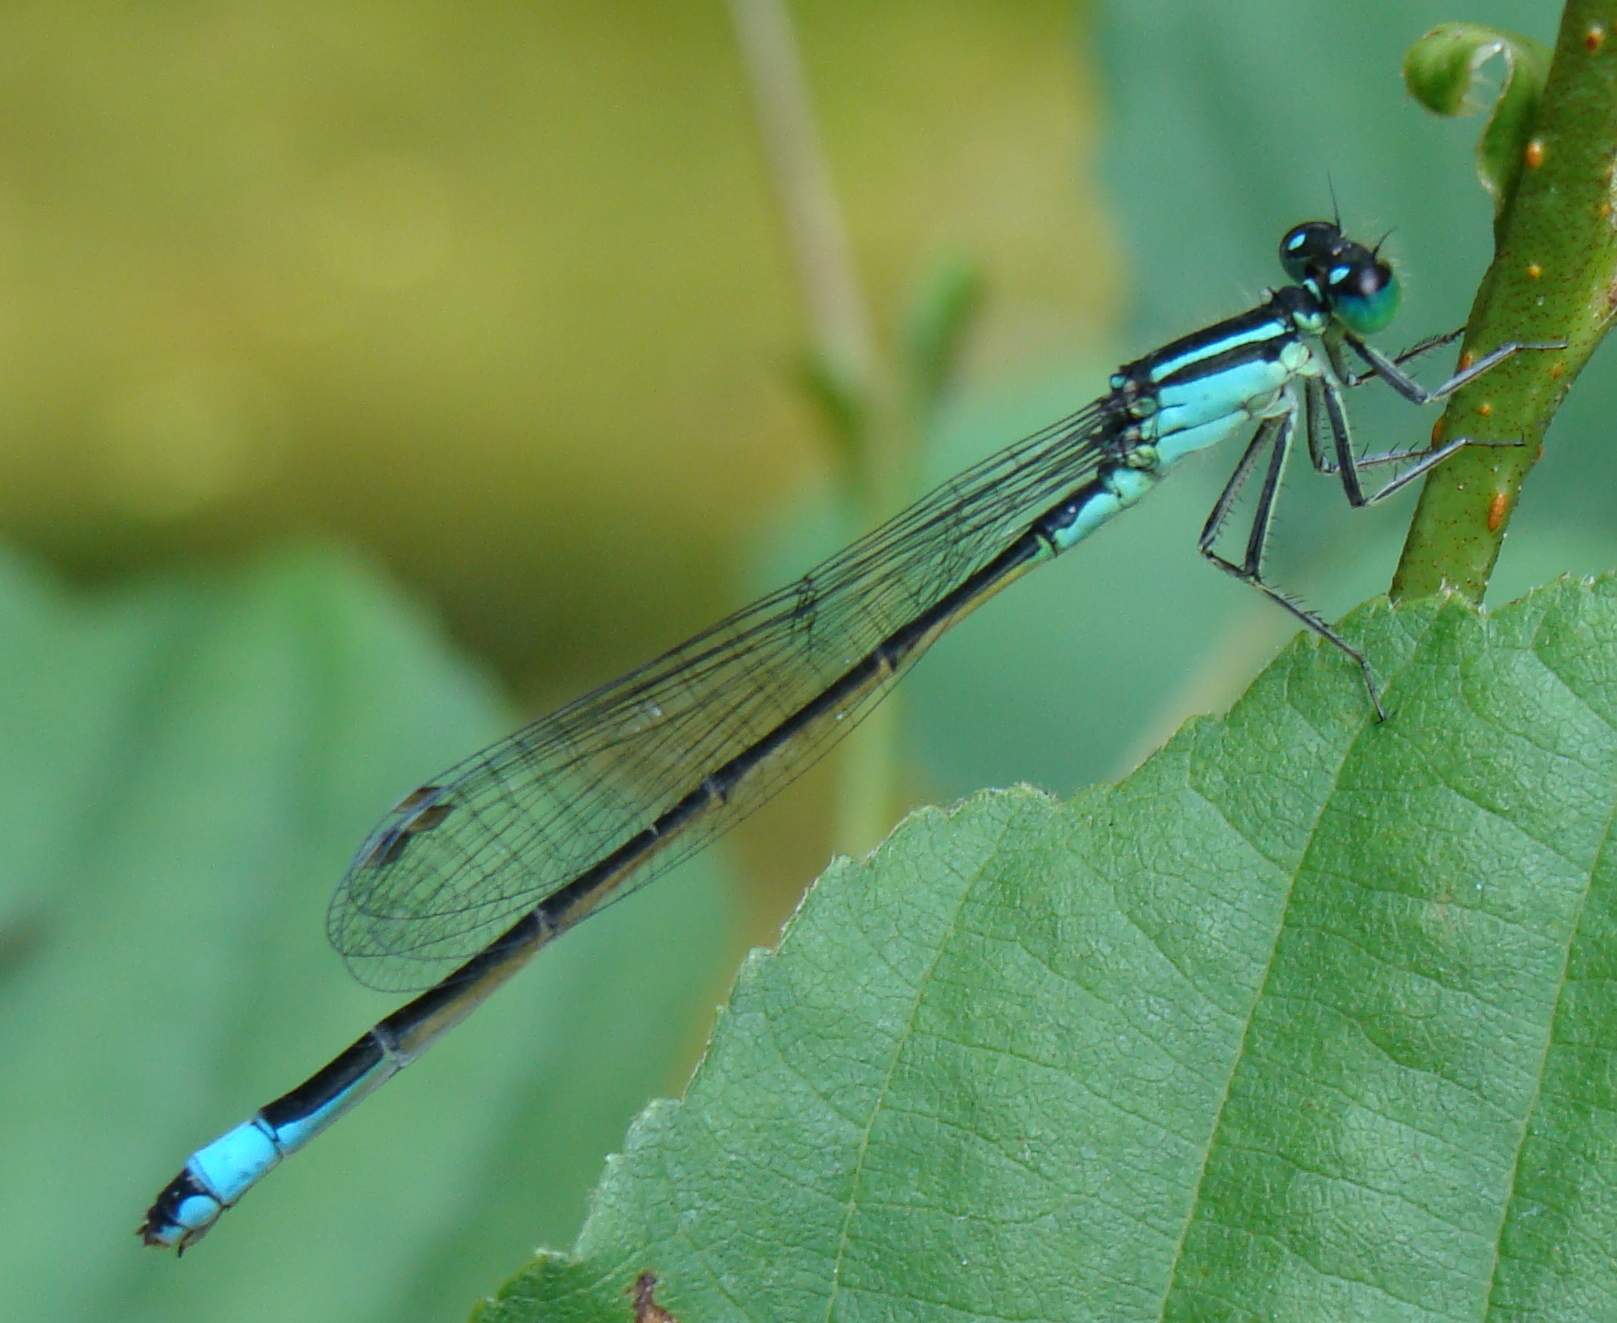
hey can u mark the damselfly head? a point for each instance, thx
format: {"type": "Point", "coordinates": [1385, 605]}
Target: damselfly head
{"type": "Point", "coordinates": [1359, 288]}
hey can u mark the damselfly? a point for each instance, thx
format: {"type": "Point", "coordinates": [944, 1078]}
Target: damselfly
{"type": "Point", "coordinates": [468, 877]}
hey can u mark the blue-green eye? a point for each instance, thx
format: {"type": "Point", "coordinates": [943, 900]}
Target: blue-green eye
{"type": "Point", "coordinates": [1363, 295]}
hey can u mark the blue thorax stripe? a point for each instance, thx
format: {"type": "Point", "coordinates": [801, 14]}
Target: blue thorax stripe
{"type": "Point", "coordinates": [1261, 332]}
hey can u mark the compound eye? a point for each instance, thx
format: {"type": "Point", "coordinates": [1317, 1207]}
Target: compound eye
{"type": "Point", "coordinates": [1308, 247]}
{"type": "Point", "coordinates": [1363, 295]}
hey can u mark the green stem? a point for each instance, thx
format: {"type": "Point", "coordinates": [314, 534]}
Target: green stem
{"type": "Point", "coordinates": [846, 370]}
{"type": "Point", "coordinates": [1554, 277]}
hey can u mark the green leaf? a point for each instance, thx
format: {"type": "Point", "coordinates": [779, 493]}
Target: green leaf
{"type": "Point", "coordinates": [1443, 71]}
{"type": "Point", "coordinates": [1307, 1018]}
{"type": "Point", "coordinates": [189, 763]}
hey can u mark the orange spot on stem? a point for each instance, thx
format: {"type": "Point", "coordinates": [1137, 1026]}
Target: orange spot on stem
{"type": "Point", "coordinates": [1497, 506]}
{"type": "Point", "coordinates": [1534, 155]}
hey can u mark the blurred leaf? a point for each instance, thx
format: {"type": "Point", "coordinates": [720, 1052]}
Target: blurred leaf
{"type": "Point", "coordinates": [1443, 72]}
{"type": "Point", "coordinates": [189, 764]}
{"type": "Point", "coordinates": [937, 324]}
{"type": "Point", "coordinates": [1308, 1018]}
{"type": "Point", "coordinates": [843, 398]}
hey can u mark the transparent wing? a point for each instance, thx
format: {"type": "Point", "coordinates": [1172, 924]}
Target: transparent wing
{"type": "Point", "coordinates": [454, 864]}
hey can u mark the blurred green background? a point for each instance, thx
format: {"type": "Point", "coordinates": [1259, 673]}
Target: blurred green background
{"type": "Point", "coordinates": [374, 376]}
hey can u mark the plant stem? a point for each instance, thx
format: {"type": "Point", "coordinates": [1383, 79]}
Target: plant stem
{"type": "Point", "coordinates": [877, 442]}
{"type": "Point", "coordinates": [1554, 277]}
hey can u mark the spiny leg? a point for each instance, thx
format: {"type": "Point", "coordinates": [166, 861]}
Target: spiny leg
{"type": "Point", "coordinates": [1261, 439]}
{"type": "Point", "coordinates": [1277, 433]}
{"type": "Point", "coordinates": [1322, 394]}
{"type": "Point", "coordinates": [1389, 371]}
{"type": "Point", "coordinates": [1416, 350]}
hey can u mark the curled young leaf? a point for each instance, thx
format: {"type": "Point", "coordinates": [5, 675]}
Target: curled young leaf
{"type": "Point", "coordinates": [1443, 71]}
